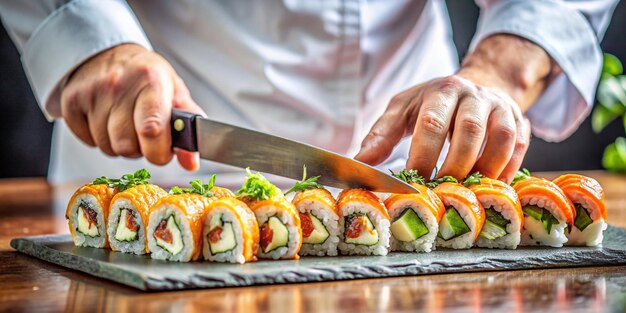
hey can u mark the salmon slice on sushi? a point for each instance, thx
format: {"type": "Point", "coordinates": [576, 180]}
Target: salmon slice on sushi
{"type": "Point", "coordinates": [176, 221]}
{"type": "Point", "coordinates": [128, 217]}
{"type": "Point", "coordinates": [87, 213]}
{"type": "Point", "coordinates": [414, 217]}
{"type": "Point", "coordinates": [547, 212]}
{"type": "Point", "coordinates": [231, 232]}
{"type": "Point", "coordinates": [364, 223]}
{"type": "Point", "coordinates": [587, 197]}
{"type": "Point", "coordinates": [464, 217]}
{"type": "Point", "coordinates": [277, 218]}
{"type": "Point", "coordinates": [319, 218]}
{"type": "Point", "coordinates": [503, 212]}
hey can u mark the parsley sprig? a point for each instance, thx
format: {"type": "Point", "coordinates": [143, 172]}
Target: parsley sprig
{"type": "Point", "coordinates": [473, 179]}
{"type": "Point", "coordinates": [411, 176]}
{"type": "Point", "coordinates": [257, 187]}
{"type": "Point", "coordinates": [196, 187]}
{"type": "Point", "coordinates": [521, 175]}
{"type": "Point", "coordinates": [127, 181]}
{"type": "Point", "coordinates": [305, 184]}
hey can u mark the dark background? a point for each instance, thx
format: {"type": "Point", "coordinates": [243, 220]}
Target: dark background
{"type": "Point", "coordinates": [25, 134]}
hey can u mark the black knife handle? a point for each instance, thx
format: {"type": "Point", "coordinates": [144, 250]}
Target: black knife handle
{"type": "Point", "coordinates": [183, 125]}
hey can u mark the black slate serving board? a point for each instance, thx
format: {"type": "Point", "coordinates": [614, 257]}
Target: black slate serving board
{"type": "Point", "coordinates": [146, 274]}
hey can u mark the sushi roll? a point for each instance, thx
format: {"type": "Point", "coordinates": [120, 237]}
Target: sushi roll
{"type": "Point", "coordinates": [587, 197]}
{"type": "Point", "coordinates": [278, 219]}
{"type": "Point", "coordinates": [128, 216]}
{"type": "Point", "coordinates": [364, 223]}
{"type": "Point", "coordinates": [87, 212]}
{"type": "Point", "coordinates": [547, 212]}
{"type": "Point", "coordinates": [175, 222]}
{"type": "Point", "coordinates": [231, 232]}
{"type": "Point", "coordinates": [319, 219]}
{"type": "Point", "coordinates": [320, 222]}
{"type": "Point", "coordinates": [464, 217]}
{"type": "Point", "coordinates": [414, 217]}
{"type": "Point", "coordinates": [503, 210]}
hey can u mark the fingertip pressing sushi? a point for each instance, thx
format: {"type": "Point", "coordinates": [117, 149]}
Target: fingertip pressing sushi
{"type": "Point", "coordinates": [128, 217]}
{"type": "Point", "coordinates": [414, 217]}
{"type": "Point", "coordinates": [277, 218]}
{"type": "Point", "coordinates": [231, 232]}
{"type": "Point", "coordinates": [464, 217]}
{"type": "Point", "coordinates": [176, 221]}
{"type": "Point", "coordinates": [87, 212]}
{"type": "Point", "coordinates": [587, 197]}
{"type": "Point", "coordinates": [364, 223]}
{"type": "Point", "coordinates": [547, 212]}
{"type": "Point", "coordinates": [503, 211]}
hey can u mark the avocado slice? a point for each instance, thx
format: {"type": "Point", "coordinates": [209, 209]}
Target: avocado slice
{"type": "Point", "coordinates": [319, 234]}
{"type": "Point", "coordinates": [492, 231]}
{"type": "Point", "coordinates": [280, 235]}
{"type": "Point", "coordinates": [368, 235]}
{"type": "Point", "coordinates": [86, 227]}
{"type": "Point", "coordinates": [123, 233]}
{"type": "Point", "coordinates": [177, 244]}
{"type": "Point", "coordinates": [542, 215]}
{"type": "Point", "coordinates": [408, 226]}
{"type": "Point", "coordinates": [582, 217]}
{"type": "Point", "coordinates": [452, 225]}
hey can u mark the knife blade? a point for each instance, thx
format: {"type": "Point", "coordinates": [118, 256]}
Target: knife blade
{"type": "Point", "coordinates": [241, 147]}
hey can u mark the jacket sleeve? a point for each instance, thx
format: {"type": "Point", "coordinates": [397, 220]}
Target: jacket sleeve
{"type": "Point", "coordinates": [570, 32]}
{"type": "Point", "coordinates": [54, 37]}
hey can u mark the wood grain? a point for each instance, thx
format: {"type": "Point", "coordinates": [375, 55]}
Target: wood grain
{"type": "Point", "coordinates": [27, 284]}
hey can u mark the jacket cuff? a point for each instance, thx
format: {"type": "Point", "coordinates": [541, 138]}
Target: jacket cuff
{"type": "Point", "coordinates": [569, 39]}
{"type": "Point", "coordinates": [69, 36]}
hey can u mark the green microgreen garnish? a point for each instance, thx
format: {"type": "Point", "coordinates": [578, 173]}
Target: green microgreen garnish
{"type": "Point", "coordinates": [196, 187]}
{"type": "Point", "coordinates": [257, 187]}
{"type": "Point", "coordinates": [305, 183]}
{"type": "Point", "coordinates": [521, 175]}
{"type": "Point", "coordinates": [409, 176]}
{"type": "Point", "coordinates": [436, 182]}
{"type": "Point", "coordinates": [127, 181]}
{"type": "Point", "coordinates": [473, 179]}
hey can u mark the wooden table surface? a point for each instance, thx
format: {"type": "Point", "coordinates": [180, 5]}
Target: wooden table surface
{"type": "Point", "coordinates": [27, 284]}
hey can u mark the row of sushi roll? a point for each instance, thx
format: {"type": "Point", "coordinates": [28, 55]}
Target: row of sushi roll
{"type": "Point", "coordinates": [131, 215]}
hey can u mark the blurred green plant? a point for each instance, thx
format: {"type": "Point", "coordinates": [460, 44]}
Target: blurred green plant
{"type": "Point", "coordinates": [611, 105]}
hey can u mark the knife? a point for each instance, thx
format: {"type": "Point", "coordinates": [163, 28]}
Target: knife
{"type": "Point", "coordinates": [243, 148]}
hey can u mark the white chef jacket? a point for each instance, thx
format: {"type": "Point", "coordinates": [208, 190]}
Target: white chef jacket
{"type": "Point", "coordinates": [315, 71]}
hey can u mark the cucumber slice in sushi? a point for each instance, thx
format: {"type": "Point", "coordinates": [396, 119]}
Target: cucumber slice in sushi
{"type": "Point", "coordinates": [582, 217]}
{"type": "Point", "coordinates": [408, 226]}
{"type": "Point", "coordinates": [319, 234]}
{"type": "Point", "coordinates": [126, 226]}
{"type": "Point", "coordinates": [87, 221]}
{"type": "Point", "coordinates": [452, 225]}
{"type": "Point", "coordinates": [274, 235]}
{"type": "Point", "coordinates": [542, 215]}
{"type": "Point", "coordinates": [221, 235]}
{"type": "Point", "coordinates": [495, 225]}
{"type": "Point", "coordinates": [168, 236]}
{"type": "Point", "coordinates": [359, 230]}
{"type": "Point", "coordinates": [492, 231]}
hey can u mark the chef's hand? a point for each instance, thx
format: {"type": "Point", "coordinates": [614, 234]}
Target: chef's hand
{"type": "Point", "coordinates": [480, 108]}
{"type": "Point", "coordinates": [121, 100]}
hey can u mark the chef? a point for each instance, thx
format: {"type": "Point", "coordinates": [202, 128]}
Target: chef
{"type": "Point", "coordinates": [377, 79]}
